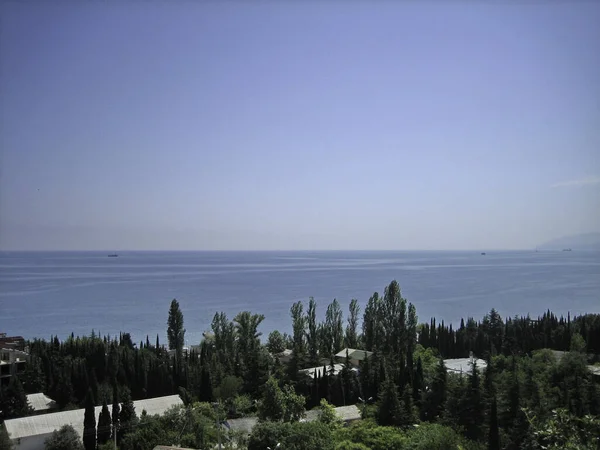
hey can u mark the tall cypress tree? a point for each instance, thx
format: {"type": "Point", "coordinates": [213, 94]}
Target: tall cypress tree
{"type": "Point", "coordinates": [390, 409]}
{"type": "Point", "coordinates": [175, 330]}
{"type": "Point", "coordinates": [104, 425]}
{"type": "Point", "coordinates": [115, 411]}
{"type": "Point", "coordinates": [89, 422]}
{"type": "Point", "coordinates": [127, 416]}
{"type": "Point", "coordinates": [494, 433]}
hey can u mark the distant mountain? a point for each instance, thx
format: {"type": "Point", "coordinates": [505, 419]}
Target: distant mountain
{"type": "Point", "coordinates": [587, 241]}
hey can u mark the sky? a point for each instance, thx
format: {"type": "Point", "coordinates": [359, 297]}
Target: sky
{"type": "Point", "coordinates": [298, 125]}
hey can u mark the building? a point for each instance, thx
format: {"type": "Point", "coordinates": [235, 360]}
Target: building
{"type": "Point", "coordinates": [463, 365]}
{"type": "Point", "coordinates": [355, 355]}
{"type": "Point", "coordinates": [29, 433]}
{"type": "Point", "coordinates": [320, 370]}
{"type": "Point", "coordinates": [285, 356]}
{"type": "Point", "coordinates": [12, 361]}
{"type": "Point", "coordinates": [40, 403]}
{"type": "Point", "coordinates": [347, 414]}
{"type": "Point", "coordinates": [14, 342]}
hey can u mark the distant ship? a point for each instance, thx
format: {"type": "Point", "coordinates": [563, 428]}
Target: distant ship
{"type": "Point", "coordinates": [483, 253]}
{"type": "Point", "coordinates": [113, 255]}
{"type": "Point", "coordinates": [566, 249]}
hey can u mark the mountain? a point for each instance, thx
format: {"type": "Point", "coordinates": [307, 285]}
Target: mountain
{"type": "Point", "coordinates": [587, 241]}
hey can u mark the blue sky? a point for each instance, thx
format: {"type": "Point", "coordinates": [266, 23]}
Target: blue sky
{"type": "Point", "coordinates": [307, 125]}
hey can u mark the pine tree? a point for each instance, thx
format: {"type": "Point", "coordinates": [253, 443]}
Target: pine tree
{"type": "Point", "coordinates": [89, 422]}
{"type": "Point", "coordinates": [104, 425]}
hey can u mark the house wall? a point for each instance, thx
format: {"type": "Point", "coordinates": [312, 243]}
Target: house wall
{"type": "Point", "coordinates": [31, 442]}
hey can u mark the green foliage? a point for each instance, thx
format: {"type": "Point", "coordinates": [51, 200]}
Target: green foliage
{"type": "Point", "coordinates": [372, 436]}
{"type": "Point", "coordinates": [229, 388]}
{"type": "Point", "coordinates": [175, 330]}
{"type": "Point", "coordinates": [64, 439]}
{"type": "Point", "coordinates": [104, 425]}
{"type": "Point", "coordinates": [5, 442]}
{"type": "Point", "coordinates": [562, 430]}
{"type": "Point", "coordinates": [294, 436]}
{"type": "Point", "coordinates": [275, 342]}
{"type": "Point", "coordinates": [89, 423]}
{"type": "Point", "coordinates": [328, 416]}
{"type": "Point", "coordinates": [348, 445]}
{"type": "Point", "coordinates": [389, 410]}
{"type": "Point", "coordinates": [271, 406]}
{"type": "Point", "coordinates": [13, 400]}
{"type": "Point", "coordinates": [433, 436]}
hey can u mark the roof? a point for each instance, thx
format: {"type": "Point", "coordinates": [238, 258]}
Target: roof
{"type": "Point", "coordinates": [166, 447]}
{"type": "Point", "coordinates": [40, 402]}
{"type": "Point", "coordinates": [463, 365]}
{"type": "Point", "coordinates": [337, 368]}
{"type": "Point", "coordinates": [47, 423]}
{"type": "Point", "coordinates": [354, 353]}
{"type": "Point", "coordinates": [346, 413]}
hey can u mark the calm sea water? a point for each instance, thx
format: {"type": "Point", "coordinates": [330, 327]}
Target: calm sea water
{"type": "Point", "coordinates": [56, 293]}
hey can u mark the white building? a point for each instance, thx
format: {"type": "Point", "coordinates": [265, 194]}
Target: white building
{"type": "Point", "coordinates": [29, 433]}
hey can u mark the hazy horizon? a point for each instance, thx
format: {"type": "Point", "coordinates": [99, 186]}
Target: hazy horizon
{"type": "Point", "coordinates": [298, 126]}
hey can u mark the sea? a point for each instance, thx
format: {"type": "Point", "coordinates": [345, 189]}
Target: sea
{"type": "Point", "coordinates": [45, 294]}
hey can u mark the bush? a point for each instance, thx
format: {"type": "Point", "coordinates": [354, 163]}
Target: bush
{"type": "Point", "coordinates": [64, 439]}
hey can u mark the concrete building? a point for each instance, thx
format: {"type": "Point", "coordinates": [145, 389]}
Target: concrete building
{"type": "Point", "coordinates": [14, 342]}
{"type": "Point", "coordinates": [29, 433]}
{"type": "Point", "coordinates": [12, 361]}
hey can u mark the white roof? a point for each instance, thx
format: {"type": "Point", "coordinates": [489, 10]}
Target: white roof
{"type": "Point", "coordinates": [40, 402]}
{"type": "Point", "coordinates": [337, 368]}
{"type": "Point", "coordinates": [463, 365]}
{"type": "Point", "coordinates": [353, 353]}
{"type": "Point", "coordinates": [47, 423]}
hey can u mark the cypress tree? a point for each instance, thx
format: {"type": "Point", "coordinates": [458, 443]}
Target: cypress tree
{"type": "Point", "coordinates": [127, 416]}
{"type": "Point", "coordinates": [494, 433]}
{"type": "Point", "coordinates": [175, 330]}
{"type": "Point", "coordinates": [89, 422]}
{"type": "Point", "coordinates": [104, 425]}
{"type": "Point", "coordinates": [115, 411]}
{"type": "Point", "coordinates": [389, 411]}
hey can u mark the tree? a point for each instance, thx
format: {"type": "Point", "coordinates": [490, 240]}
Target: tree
{"type": "Point", "coordinates": [89, 422]}
{"type": "Point", "coordinates": [351, 339]}
{"type": "Point", "coordinates": [271, 406]}
{"type": "Point", "coordinates": [293, 405]}
{"type": "Point", "coordinates": [275, 343]}
{"type": "Point", "coordinates": [312, 335]}
{"type": "Point", "coordinates": [328, 416]}
{"type": "Point", "coordinates": [5, 442]}
{"type": "Point", "coordinates": [390, 409]}
{"type": "Point", "coordinates": [115, 411]}
{"type": "Point", "coordinates": [104, 425]}
{"type": "Point", "coordinates": [64, 439]}
{"type": "Point", "coordinates": [175, 330]}
{"type": "Point", "coordinates": [13, 401]}
{"type": "Point", "coordinates": [333, 329]}
{"type": "Point", "coordinates": [494, 433]}
{"type": "Point", "coordinates": [127, 416]}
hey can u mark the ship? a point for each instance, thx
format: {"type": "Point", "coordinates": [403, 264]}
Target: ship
{"type": "Point", "coordinates": [113, 255]}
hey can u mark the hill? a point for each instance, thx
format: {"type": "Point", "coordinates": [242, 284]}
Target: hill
{"type": "Point", "coordinates": [587, 241]}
